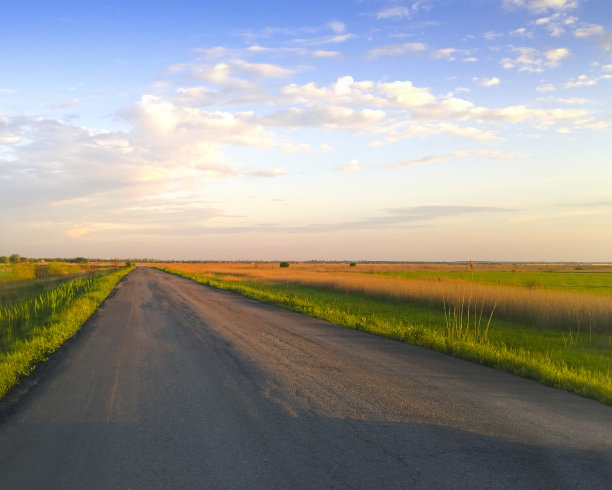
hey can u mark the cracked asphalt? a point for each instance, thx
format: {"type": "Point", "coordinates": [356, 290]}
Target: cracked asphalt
{"type": "Point", "coordinates": [172, 384]}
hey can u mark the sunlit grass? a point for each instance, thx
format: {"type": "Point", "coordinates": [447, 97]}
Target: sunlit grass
{"type": "Point", "coordinates": [36, 326]}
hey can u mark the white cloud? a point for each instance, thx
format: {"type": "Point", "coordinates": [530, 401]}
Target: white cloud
{"type": "Point", "coordinates": [397, 110]}
{"type": "Point", "coordinates": [541, 5]}
{"type": "Point", "coordinates": [586, 81]}
{"type": "Point", "coordinates": [224, 72]}
{"type": "Point", "coordinates": [607, 67]}
{"type": "Point", "coordinates": [545, 87]}
{"type": "Point", "coordinates": [556, 55]}
{"type": "Point", "coordinates": [491, 35]}
{"type": "Point", "coordinates": [533, 60]}
{"type": "Point", "coordinates": [396, 50]}
{"type": "Point", "coordinates": [406, 95]}
{"type": "Point", "coordinates": [163, 123]}
{"type": "Point", "coordinates": [394, 13]}
{"type": "Point", "coordinates": [589, 30]}
{"type": "Point", "coordinates": [521, 32]}
{"type": "Point", "coordinates": [337, 27]}
{"type": "Point", "coordinates": [328, 117]}
{"type": "Point", "coordinates": [333, 39]}
{"type": "Point", "coordinates": [325, 54]}
{"type": "Point", "coordinates": [445, 53]}
{"type": "Point", "coordinates": [401, 11]}
{"type": "Point", "coordinates": [488, 82]}
{"type": "Point", "coordinates": [556, 23]}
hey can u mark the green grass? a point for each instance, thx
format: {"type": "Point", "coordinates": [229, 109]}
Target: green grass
{"type": "Point", "coordinates": [6, 271]}
{"type": "Point", "coordinates": [578, 282]}
{"type": "Point", "coordinates": [37, 325]}
{"type": "Point", "coordinates": [578, 362]}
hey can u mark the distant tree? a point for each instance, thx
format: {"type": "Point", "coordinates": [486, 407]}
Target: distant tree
{"type": "Point", "coordinates": [78, 260]}
{"type": "Point", "coordinates": [284, 264]}
{"type": "Point", "coordinates": [15, 259]}
{"type": "Point", "coordinates": [4, 259]}
{"type": "Point", "coordinates": [353, 264]}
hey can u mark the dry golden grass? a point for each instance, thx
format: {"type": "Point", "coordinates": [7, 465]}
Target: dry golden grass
{"type": "Point", "coordinates": [548, 309]}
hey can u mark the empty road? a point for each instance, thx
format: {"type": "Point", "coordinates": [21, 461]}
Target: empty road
{"type": "Point", "coordinates": [172, 384]}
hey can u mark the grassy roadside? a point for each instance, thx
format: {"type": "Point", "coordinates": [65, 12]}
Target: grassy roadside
{"type": "Point", "coordinates": [31, 330]}
{"type": "Point", "coordinates": [576, 362]}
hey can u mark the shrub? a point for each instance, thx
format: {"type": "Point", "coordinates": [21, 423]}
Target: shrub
{"type": "Point", "coordinates": [284, 264]}
{"type": "Point", "coordinates": [56, 268]}
{"type": "Point", "coordinates": [23, 271]}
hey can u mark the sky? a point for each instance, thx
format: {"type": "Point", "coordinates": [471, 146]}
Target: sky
{"type": "Point", "coordinates": [408, 130]}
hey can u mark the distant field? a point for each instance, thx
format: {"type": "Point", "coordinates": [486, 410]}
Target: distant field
{"type": "Point", "coordinates": [581, 282]}
{"type": "Point", "coordinates": [557, 331]}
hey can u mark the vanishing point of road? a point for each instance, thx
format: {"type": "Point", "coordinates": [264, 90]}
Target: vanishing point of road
{"type": "Point", "coordinates": [172, 384]}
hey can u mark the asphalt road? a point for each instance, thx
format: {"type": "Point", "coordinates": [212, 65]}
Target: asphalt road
{"type": "Point", "coordinates": [175, 385]}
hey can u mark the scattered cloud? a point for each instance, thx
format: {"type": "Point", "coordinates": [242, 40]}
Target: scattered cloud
{"type": "Point", "coordinates": [488, 82]}
{"type": "Point", "coordinates": [337, 27]}
{"type": "Point", "coordinates": [396, 50]}
{"type": "Point", "coordinates": [490, 35]}
{"type": "Point", "coordinates": [541, 5]}
{"type": "Point", "coordinates": [333, 39]}
{"type": "Point", "coordinates": [420, 48]}
{"type": "Point", "coordinates": [400, 12]}
{"type": "Point", "coordinates": [557, 23]}
{"type": "Point", "coordinates": [589, 30]}
{"type": "Point", "coordinates": [445, 53]}
{"type": "Point", "coordinates": [533, 60]}
{"type": "Point", "coordinates": [325, 54]}
{"type": "Point", "coordinates": [521, 32]}
{"type": "Point", "coordinates": [586, 81]}
{"type": "Point", "coordinates": [545, 87]}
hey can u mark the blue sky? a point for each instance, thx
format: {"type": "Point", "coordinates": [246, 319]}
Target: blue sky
{"type": "Point", "coordinates": [382, 130]}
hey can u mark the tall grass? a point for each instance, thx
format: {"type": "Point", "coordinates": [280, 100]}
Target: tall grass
{"type": "Point", "coordinates": [38, 325]}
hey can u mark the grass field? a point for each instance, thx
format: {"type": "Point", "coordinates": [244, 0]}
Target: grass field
{"type": "Point", "coordinates": [552, 334]}
{"type": "Point", "coordinates": [579, 282]}
{"type": "Point", "coordinates": [42, 314]}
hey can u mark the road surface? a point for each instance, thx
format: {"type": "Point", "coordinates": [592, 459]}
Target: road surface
{"type": "Point", "coordinates": [172, 384]}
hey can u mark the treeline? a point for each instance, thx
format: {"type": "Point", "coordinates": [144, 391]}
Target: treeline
{"type": "Point", "coordinates": [18, 259]}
